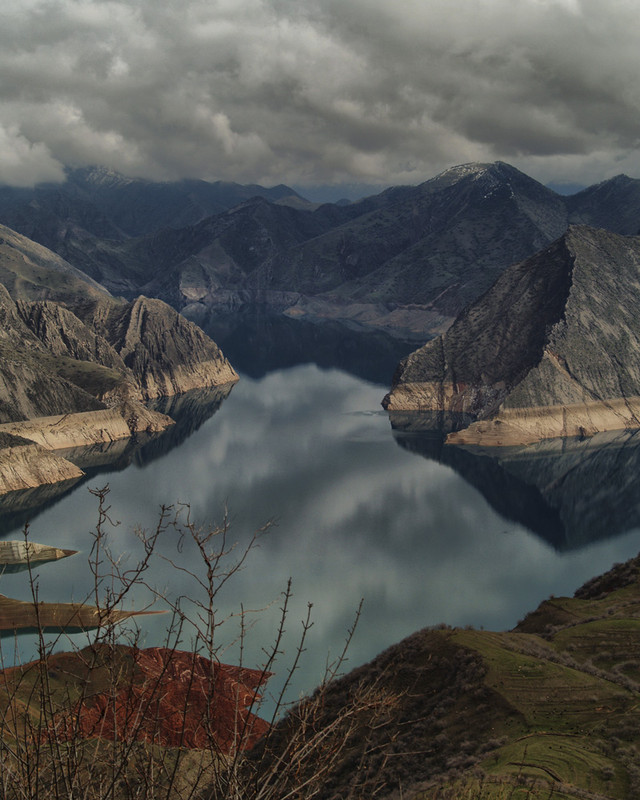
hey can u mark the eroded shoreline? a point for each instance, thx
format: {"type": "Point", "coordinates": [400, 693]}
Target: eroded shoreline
{"type": "Point", "coordinates": [522, 426]}
{"type": "Point", "coordinates": [28, 458]}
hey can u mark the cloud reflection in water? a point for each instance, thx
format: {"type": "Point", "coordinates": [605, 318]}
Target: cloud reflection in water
{"type": "Point", "coordinates": [357, 516]}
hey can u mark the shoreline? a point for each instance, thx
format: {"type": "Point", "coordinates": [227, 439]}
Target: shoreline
{"type": "Point", "coordinates": [28, 457]}
{"type": "Point", "coordinates": [523, 426]}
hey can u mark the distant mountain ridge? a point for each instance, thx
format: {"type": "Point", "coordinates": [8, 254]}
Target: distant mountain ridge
{"type": "Point", "coordinates": [409, 259]}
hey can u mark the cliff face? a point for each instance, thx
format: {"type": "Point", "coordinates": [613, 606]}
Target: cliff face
{"type": "Point", "coordinates": [553, 348]}
{"type": "Point", "coordinates": [29, 386]}
{"type": "Point", "coordinates": [87, 364]}
{"type": "Point", "coordinates": [165, 353]}
{"type": "Point", "coordinates": [53, 362]}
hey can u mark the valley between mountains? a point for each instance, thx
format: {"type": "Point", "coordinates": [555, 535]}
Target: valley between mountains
{"type": "Point", "coordinates": [522, 305]}
{"type": "Point", "coordinates": [532, 295]}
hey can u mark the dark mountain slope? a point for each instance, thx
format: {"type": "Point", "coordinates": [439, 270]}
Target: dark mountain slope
{"type": "Point", "coordinates": [138, 207]}
{"type": "Point", "coordinates": [105, 204]}
{"type": "Point", "coordinates": [438, 245]}
{"type": "Point", "coordinates": [447, 241]}
{"type": "Point", "coordinates": [553, 347]}
{"type": "Point", "coordinates": [410, 258]}
{"type": "Point", "coordinates": [612, 204]}
{"type": "Point", "coordinates": [32, 272]}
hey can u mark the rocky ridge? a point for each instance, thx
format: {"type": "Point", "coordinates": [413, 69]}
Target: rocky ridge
{"type": "Point", "coordinates": [552, 349]}
{"type": "Point", "coordinates": [70, 379]}
{"type": "Point", "coordinates": [408, 259]}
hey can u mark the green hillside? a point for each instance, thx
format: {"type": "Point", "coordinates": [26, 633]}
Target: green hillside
{"type": "Point", "coordinates": [548, 710]}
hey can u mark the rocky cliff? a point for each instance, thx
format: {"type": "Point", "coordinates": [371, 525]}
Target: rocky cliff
{"type": "Point", "coordinates": [552, 349]}
{"type": "Point", "coordinates": [87, 361]}
{"type": "Point", "coordinates": [165, 353]}
{"type": "Point", "coordinates": [56, 362]}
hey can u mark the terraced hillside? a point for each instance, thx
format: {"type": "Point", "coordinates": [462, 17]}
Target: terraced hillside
{"type": "Point", "coordinates": [550, 709]}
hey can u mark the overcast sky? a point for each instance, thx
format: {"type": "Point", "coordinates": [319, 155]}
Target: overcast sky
{"type": "Point", "coordinates": [312, 92]}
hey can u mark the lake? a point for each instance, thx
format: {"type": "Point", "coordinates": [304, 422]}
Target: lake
{"type": "Point", "coordinates": [424, 533]}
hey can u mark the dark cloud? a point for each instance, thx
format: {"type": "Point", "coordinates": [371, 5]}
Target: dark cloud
{"type": "Point", "coordinates": [318, 91]}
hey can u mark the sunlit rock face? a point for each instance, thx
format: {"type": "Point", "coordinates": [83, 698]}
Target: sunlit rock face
{"type": "Point", "coordinates": [552, 349]}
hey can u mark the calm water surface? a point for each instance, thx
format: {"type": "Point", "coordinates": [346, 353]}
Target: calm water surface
{"type": "Point", "coordinates": [424, 534]}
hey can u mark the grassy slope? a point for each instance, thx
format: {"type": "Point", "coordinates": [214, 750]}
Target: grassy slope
{"type": "Point", "coordinates": [548, 710]}
{"type": "Point", "coordinates": [573, 679]}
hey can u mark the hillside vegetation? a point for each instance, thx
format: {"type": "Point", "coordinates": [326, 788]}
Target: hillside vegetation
{"type": "Point", "coordinates": [550, 709]}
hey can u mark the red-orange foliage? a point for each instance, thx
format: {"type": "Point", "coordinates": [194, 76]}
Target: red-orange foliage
{"type": "Point", "coordinates": [175, 699]}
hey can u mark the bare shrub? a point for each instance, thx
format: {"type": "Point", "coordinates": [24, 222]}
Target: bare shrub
{"type": "Point", "coordinates": [116, 720]}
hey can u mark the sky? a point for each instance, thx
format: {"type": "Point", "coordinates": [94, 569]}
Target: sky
{"type": "Point", "coordinates": [313, 93]}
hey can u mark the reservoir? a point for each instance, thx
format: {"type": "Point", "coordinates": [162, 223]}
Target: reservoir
{"type": "Point", "coordinates": [423, 533]}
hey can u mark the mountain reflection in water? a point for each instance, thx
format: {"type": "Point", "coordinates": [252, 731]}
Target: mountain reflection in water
{"type": "Point", "coordinates": [570, 492]}
{"type": "Point", "coordinates": [189, 411]}
{"type": "Point", "coordinates": [357, 516]}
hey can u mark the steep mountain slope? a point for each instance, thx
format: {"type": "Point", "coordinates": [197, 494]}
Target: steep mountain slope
{"type": "Point", "coordinates": [32, 272]}
{"type": "Point", "coordinates": [613, 204]}
{"type": "Point", "coordinates": [553, 348]}
{"type": "Point", "coordinates": [410, 258]}
{"type": "Point", "coordinates": [438, 245]}
{"type": "Point", "coordinates": [68, 379]}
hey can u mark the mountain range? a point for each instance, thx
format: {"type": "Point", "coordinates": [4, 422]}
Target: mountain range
{"type": "Point", "coordinates": [408, 259]}
{"type": "Point", "coordinates": [542, 287]}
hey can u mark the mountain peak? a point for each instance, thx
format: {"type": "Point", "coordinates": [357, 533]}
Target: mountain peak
{"type": "Point", "coordinates": [474, 169]}
{"type": "Point", "coordinates": [98, 176]}
{"type": "Point", "coordinates": [492, 174]}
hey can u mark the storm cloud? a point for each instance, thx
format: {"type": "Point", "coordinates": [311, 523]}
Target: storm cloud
{"type": "Point", "coordinates": [318, 91]}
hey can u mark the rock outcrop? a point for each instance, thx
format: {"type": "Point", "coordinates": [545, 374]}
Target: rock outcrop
{"type": "Point", "coordinates": [164, 352]}
{"type": "Point", "coordinates": [73, 373]}
{"type": "Point", "coordinates": [26, 457]}
{"type": "Point", "coordinates": [552, 349]}
{"type": "Point", "coordinates": [25, 464]}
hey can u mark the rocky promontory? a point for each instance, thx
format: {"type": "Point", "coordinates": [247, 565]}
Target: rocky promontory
{"type": "Point", "coordinates": [75, 371]}
{"type": "Point", "coordinates": [551, 349]}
